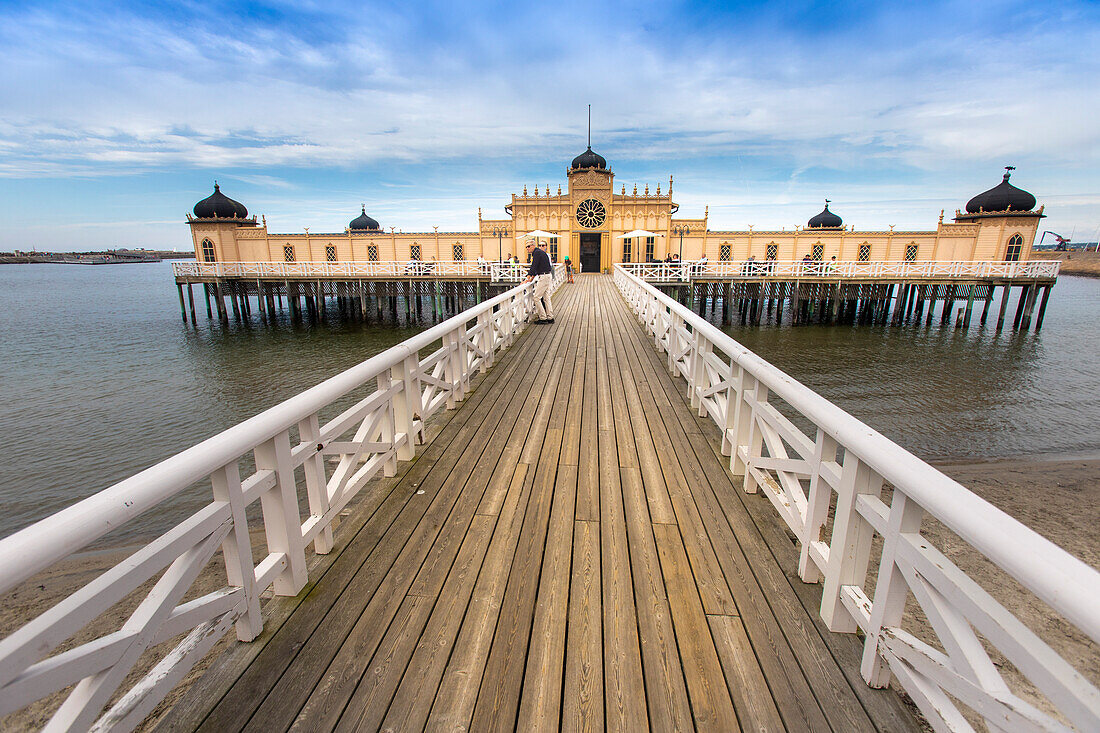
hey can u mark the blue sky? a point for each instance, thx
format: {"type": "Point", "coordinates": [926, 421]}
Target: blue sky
{"type": "Point", "coordinates": [115, 118]}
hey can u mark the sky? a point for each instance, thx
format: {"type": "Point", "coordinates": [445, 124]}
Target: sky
{"type": "Point", "coordinates": [116, 117]}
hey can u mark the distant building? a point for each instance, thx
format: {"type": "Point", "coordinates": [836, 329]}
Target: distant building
{"type": "Point", "coordinates": [589, 218]}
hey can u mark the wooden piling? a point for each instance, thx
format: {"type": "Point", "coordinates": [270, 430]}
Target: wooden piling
{"type": "Point", "coordinates": [183, 308]}
{"type": "Point", "coordinates": [1006, 290]}
{"type": "Point", "coordinates": [1042, 308]}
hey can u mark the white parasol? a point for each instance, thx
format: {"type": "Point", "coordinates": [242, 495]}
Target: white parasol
{"type": "Point", "coordinates": [638, 233]}
{"type": "Point", "coordinates": [539, 233]}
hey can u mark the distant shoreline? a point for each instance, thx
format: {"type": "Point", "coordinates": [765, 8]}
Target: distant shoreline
{"type": "Point", "coordinates": [109, 257]}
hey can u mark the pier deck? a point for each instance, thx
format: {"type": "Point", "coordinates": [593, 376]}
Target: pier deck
{"type": "Point", "coordinates": [568, 551]}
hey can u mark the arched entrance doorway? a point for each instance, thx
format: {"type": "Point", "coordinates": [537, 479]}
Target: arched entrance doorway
{"type": "Point", "coordinates": [590, 252]}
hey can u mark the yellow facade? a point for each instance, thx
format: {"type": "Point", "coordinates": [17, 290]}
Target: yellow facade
{"type": "Point", "coordinates": [589, 218]}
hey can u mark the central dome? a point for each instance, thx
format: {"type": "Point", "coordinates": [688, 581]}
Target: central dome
{"type": "Point", "coordinates": [589, 159]}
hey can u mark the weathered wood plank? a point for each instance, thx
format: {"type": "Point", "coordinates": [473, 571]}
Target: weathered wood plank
{"type": "Point", "coordinates": [669, 707]}
{"type": "Point", "coordinates": [752, 699]}
{"type": "Point", "coordinates": [583, 696]}
{"type": "Point", "coordinates": [419, 652]}
{"type": "Point", "coordinates": [711, 705]}
{"type": "Point", "coordinates": [540, 702]}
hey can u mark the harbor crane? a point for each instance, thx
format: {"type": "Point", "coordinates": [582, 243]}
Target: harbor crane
{"type": "Point", "coordinates": [1062, 241]}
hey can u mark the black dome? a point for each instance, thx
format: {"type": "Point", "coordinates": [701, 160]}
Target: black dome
{"type": "Point", "coordinates": [825, 220]}
{"type": "Point", "coordinates": [1002, 197]}
{"type": "Point", "coordinates": [364, 222]}
{"type": "Point", "coordinates": [218, 205]}
{"type": "Point", "coordinates": [588, 159]}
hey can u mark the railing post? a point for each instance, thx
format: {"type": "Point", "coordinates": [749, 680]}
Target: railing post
{"type": "Point", "coordinates": [729, 418]}
{"type": "Point", "coordinates": [486, 339]}
{"type": "Point", "coordinates": [742, 423]}
{"type": "Point", "coordinates": [891, 589]}
{"type": "Point", "coordinates": [404, 405]}
{"type": "Point", "coordinates": [850, 548]}
{"type": "Point", "coordinates": [389, 424]}
{"type": "Point", "coordinates": [309, 432]}
{"type": "Point", "coordinates": [674, 324]}
{"type": "Point", "coordinates": [818, 498]}
{"type": "Point", "coordinates": [240, 569]}
{"type": "Point", "coordinates": [699, 353]}
{"type": "Point", "coordinates": [452, 370]}
{"type": "Point", "coordinates": [282, 520]}
{"type": "Point", "coordinates": [754, 442]}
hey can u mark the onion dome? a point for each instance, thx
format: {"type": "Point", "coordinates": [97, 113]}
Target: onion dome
{"type": "Point", "coordinates": [589, 159]}
{"type": "Point", "coordinates": [825, 220]}
{"type": "Point", "coordinates": [1002, 197]}
{"type": "Point", "coordinates": [219, 206]}
{"type": "Point", "coordinates": [363, 222]}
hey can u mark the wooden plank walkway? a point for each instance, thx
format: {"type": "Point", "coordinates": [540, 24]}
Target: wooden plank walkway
{"type": "Point", "coordinates": [568, 553]}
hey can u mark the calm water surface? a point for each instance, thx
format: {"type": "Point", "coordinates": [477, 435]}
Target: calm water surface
{"type": "Point", "coordinates": [102, 379]}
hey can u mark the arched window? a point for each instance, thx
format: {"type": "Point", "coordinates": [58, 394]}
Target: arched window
{"type": "Point", "coordinates": [817, 252]}
{"type": "Point", "coordinates": [725, 251]}
{"type": "Point", "coordinates": [330, 253]}
{"type": "Point", "coordinates": [1012, 252]}
{"type": "Point", "coordinates": [864, 253]}
{"type": "Point", "coordinates": [208, 251]}
{"type": "Point", "coordinates": [911, 252]}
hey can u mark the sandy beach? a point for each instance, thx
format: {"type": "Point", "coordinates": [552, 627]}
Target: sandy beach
{"type": "Point", "coordinates": [1056, 496]}
{"type": "Point", "coordinates": [1085, 264]}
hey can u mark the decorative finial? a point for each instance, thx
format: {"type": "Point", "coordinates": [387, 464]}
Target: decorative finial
{"type": "Point", "coordinates": [635, 189]}
{"type": "Point", "coordinates": [624, 190]}
{"type": "Point", "coordinates": [658, 189]}
{"type": "Point", "coordinates": [559, 189]}
{"type": "Point", "coordinates": [827, 202]}
{"type": "Point", "coordinates": [647, 189]}
{"type": "Point", "coordinates": [1008, 171]}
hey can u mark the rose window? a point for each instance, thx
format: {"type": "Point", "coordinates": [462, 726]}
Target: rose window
{"type": "Point", "coordinates": [590, 213]}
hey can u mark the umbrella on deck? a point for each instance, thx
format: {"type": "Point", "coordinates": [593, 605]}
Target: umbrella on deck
{"type": "Point", "coordinates": [639, 233]}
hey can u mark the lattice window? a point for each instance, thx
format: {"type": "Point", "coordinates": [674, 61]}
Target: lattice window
{"type": "Point", "coordinates": [456, 251]}
{"type": "Point", "coordinates": [771, 252]}
{"type": "Point", "coordinates": [288, 253]}
{"type": "Point", "coordinates": [626, 249]}
{"type": "Point", "coordinates": [910, 253]}
{"type": "Point", "coordinates": [649, 249]}
{"type": "Point", "coordinates": [553, 249]}
{"type": "Point", "coordinates": [817, 252]}
{"type": "Point", "coordinates": [208, 251]}
{"type": "Point", "coordinates": [1012, 252]}
{"type": "Point", "coordinates": [864, 253]}
{"type": "Point", "coordinates": [330, 253]}
{"type": "Point", "coordinates": [372, 252]}
{"type": "Point", "coordinates": [725, 252]}
{"type": "Point", "coordinates": [414, 251]}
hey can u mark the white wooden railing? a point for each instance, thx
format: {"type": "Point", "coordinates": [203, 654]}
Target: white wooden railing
{"type": "Point", "coordinates": [828, 488]}
{"type": "Point", "coordinates": [385, 402]}
{"type": "Point", "coordinates": [685, 271]}
{"type": "Point", "coordinates": [495, 271]}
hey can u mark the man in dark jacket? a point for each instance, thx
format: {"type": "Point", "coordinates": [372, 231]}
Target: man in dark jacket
{"type": "Point", "coordinates": [542, 273]}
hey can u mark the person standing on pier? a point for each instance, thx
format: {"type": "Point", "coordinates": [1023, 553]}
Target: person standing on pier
{"type": "Point", "coordinates": [541, 272]}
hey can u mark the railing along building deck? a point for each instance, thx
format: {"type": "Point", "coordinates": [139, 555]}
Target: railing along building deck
{"type": "Point", "coordinates": [894, 292]}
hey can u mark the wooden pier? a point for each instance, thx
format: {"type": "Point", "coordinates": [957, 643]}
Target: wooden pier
{"type": "Point", "coordinates": [568, 552]}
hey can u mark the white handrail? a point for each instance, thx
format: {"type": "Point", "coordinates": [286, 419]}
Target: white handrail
{"type": "Point", "coordinates": [842, 468]}
{"type": "Point", "coordinates": [495, 271]}
{"type": "Point", "coordinates": [380, 428]}
{"type": "Point", "coordinates": [846, 270]}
